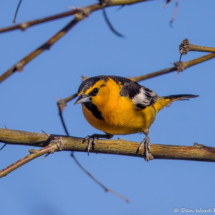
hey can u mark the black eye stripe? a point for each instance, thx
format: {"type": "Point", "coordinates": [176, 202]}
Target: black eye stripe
{"type": "Point", "coordinates": [95, 90]}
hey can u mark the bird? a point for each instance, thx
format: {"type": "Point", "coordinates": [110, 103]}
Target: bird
{"type": "Point", "coordinates": [120, 106]}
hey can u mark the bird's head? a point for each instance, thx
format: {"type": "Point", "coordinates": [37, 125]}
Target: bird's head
{"type": "Point", "coordinates": [89, 90]}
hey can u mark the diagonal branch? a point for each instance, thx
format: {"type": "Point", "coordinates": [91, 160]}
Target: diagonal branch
{"type": "Point", "coordinates": [19, 66]}
{"type": "Point", "coordinates": [178, 66]}
{"type": "Point", "coordinates": [33, 154]}
{"type": "Point", "coordinates": [83, 13]}
{"type": "Point", "coordinates": [98, 182]}
{"type": "Point", "coordinates": [23, 26]}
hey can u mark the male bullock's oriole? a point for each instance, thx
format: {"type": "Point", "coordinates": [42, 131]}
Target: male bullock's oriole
{"type": "Point", "coordinates": [117, 105]}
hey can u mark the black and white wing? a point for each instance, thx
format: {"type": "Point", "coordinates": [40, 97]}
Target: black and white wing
{"type": "Point", "coordinates": [141, 96]}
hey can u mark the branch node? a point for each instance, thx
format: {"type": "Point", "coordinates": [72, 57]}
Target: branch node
{"type": "Point", "coordinates": [184, 47]}
{"type": "Point", "coordinates": [32, 151]}
{"type": "Point", "coordinates": [59, 142]}
{"type": "Point", "coordinates": [61, 104]}
{"type": "Point", "coordinates": [83, 13]}
{"type": "Point", "coordinates": [19, 66]}
{"type": "Point", "coordinates": [198, 145]}
{"type": "Point", "coordinates": [23, 26]}
{"type": "Point", "coordinates": [179, 66]}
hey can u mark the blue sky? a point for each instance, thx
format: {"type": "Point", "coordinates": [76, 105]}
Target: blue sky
{"type": "Point", "coordinates": [56, 185]}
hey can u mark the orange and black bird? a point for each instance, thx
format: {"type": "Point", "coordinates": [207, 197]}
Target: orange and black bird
{"type": "Point", "coordinates": [117, 105]}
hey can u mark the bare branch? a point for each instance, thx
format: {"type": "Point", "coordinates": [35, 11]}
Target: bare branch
{"type": "Point", "coordinates": [81, 15]}
{"type": "Point", "coordinates": [33, 154]}
{"type": "Point", "coordinates": [19, 66]}
{"type": "Point", "coordinates": [91, 8]}
{"type": "Point", "coordinates": [185, 47]}
{"type": "Point", "coordinates": [23, 26]}
{"type": "Point", "coordinates": [51, 144]}
{"type": "Point", "coordinates": [118, 147]}
{"type": "Point", "coordinates": [178, 66]}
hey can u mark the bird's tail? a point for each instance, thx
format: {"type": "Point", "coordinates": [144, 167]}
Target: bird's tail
{"type": "Point", "coordinates": [166, 101]}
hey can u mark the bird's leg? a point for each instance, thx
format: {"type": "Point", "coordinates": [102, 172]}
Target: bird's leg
{"type": "Point", "coordinates": [146, 143]}
{"type": "Point", "coordinates": [92, 139]}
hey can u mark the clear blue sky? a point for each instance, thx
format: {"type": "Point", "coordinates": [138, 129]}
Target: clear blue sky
{"type": "Point", "coordinates": [56, 185]}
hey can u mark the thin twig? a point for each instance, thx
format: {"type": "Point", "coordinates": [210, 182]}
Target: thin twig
{"type": "Point", "coordinates": [175, 12]}
{"type": "Point", "coordinates": [184, 65]}
{"type": "Point", "coordinates": [98, 182]}
{"type": "Point", "coordinates": [3, 146]}
{"type": "Point", "coordinates": [62, 121]}
{"type": "Point", "coordinates": [23, 26]}
{"type": "Point", "coordinates": [28, 158]}
{"type": "Point", "coordinates": [110, 25]}
{"type": "Point", "coordinates": [17, 9]}
{"type": "Point", "coordinates": [62, 102]}
{"type": "Point", "coordinates": [185, 47]}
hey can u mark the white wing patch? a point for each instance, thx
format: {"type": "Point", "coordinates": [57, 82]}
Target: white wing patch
{"type": "Point", "coordinates": [145, 98]}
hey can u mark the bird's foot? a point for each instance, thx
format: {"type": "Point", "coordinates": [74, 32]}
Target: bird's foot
{"type": "Point", "coordinates": [146, 143]}
{"type": "Point", "coordinates": [92, 140]}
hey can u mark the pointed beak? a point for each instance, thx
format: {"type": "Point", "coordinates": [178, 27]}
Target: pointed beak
{"type": "Point", "coordinates": [82, 99]}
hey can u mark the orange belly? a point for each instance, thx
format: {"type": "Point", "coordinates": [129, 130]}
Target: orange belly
{"type": "Point", "coordinates": [121, 121]}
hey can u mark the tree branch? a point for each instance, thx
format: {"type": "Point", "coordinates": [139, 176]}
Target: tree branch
{"type": "Point", "coordinates": [118, 147]}
{"type": "Point", "coordinates": [19, 66]}
{"type": "Point", "coordinates": [82, 14]}
{"type": "Point", "coordinates": [178, 66]}
{"type": "Point", "coordinates": [94, 7]}
{"type": "Point", "coordinates": [185, 47]}
{"type": "Point", "coordinates": [51, 144]}
{"type": "Point", "coordinates": [23, 26]}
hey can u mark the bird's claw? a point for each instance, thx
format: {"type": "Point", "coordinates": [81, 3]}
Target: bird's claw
{"type": "Point", "coordinates": [91, 141]}
{"type": "Point", "coordinates": [146, 143]}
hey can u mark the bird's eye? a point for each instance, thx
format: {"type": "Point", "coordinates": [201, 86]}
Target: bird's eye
{"type": "Point", "coordinates": [95, 91]}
